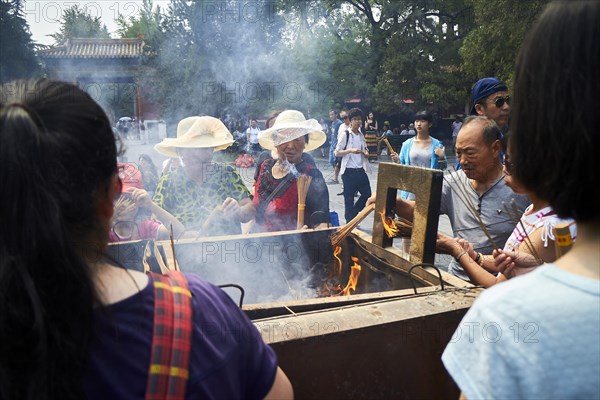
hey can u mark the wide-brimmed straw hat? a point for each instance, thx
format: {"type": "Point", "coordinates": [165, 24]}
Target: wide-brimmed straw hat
{"type": "Point", "coordinates": [290, 125]}
{"type": "Point", "coordinates": [195, 133]}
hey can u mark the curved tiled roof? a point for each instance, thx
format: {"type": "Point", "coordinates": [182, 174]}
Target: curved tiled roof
{"type": "Point", "coordinates": [96, 48]}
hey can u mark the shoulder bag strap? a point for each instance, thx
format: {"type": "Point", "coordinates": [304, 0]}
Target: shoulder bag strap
{"type": "Point", "coordinates": [347, 138]}
{"type": "Point", "coordinates": [283, 184]}
{"type": "Point", "coordinates": [172, 339]}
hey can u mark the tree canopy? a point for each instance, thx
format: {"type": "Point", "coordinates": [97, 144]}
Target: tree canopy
{"type": "Point", "coordinates": [17, 50]}
{"type": "Point", "coordinates": [77, 22]}
{"type": "Point", "coordinates": [491, 47]}
{"type": "Point", "coordinates": [248, 58]}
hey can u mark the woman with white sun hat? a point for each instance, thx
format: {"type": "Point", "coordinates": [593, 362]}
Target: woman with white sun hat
{"type": "Point", "coordinates": [202, 192]}
{"type": "Point", "coordinates": [276, 190]}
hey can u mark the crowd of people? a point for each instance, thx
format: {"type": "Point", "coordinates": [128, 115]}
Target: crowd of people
{"type": "Point", "coordinates": [75, 324]}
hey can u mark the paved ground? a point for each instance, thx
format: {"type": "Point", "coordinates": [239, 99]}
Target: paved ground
{"type": "Point", "coordinates": [133, 149]}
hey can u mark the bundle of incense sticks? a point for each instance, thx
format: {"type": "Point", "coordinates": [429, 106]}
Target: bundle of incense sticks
{"type": "Point", "coordinates": [303, 182]}
{"type": "Point", "coordinates": [403, 226]}
{"type": "Point", "coordinates": [173, 249]}
{"type": "Point", "coordinates": [345, 230]}
{"type": "Point", "coordinates": [389, 146]}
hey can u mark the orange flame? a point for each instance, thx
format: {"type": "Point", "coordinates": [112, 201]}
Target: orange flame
{"type": "Point", "coordinates": [353, 279]}
{"type": "Point", "coordinates": [388, 226]}
{"type": "Point", "coordinates": [331, 286]}
{"type": "Point", "coordinates": [336, 253]}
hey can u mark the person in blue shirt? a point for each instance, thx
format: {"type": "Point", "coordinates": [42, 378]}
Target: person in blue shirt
{"type": "Point", "coordinates": [421, 150]}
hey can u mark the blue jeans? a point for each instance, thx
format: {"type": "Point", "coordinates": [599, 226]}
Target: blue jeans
{"type": "Point", "coordinates": [355, 179]}
{"type": "Point", "coordinates": [332, 151]}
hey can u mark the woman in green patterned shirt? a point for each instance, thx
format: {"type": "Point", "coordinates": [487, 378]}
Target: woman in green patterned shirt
{"type": "Point", "coordinates": [206, 197]}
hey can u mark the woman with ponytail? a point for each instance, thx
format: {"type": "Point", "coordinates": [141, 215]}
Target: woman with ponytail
{"type": "Point", "coordinates": [73, 323]}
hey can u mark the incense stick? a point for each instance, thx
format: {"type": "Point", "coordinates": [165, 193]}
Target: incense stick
{"type": "Point", "coordinates": [173, 249]}
{"type": "Point", "coordinates": [345, 230]}
{"type": "Point", "coordinates": [403, 226]}
{"type": "Point", "coordinates": [389, 146]}
{"type": "Point", "coordinates": [303, 182]}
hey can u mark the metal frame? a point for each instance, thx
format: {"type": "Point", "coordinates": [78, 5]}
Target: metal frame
{"type": "Point", "coordinates": [426, 184]}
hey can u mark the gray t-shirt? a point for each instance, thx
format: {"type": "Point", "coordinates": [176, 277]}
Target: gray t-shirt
{"type": "Point", "coordinates": [495, 207]}
{"type": "Point", "coordinates": [419, 158]}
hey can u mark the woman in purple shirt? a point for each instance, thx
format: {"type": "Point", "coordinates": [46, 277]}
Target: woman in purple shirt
{"type": "Point", "coordinates": [74, 324]}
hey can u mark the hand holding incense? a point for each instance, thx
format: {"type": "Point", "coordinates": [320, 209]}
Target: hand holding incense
{"type": "Point", "coordinates": [345, 230]}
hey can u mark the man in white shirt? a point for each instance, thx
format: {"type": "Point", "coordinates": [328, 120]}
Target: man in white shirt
{"type": "Point", "coordinates": [252, 137]}
{"type": "Point", "coordinates": [352, 147]}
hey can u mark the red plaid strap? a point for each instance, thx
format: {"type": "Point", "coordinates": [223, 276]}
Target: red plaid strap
{"type": "Point", "coordinates": [172, 338]}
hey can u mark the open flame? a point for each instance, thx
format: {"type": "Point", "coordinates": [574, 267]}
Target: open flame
{"type": "Point", "coordinates": [352, 280]}
{"type": "Point", "coordinates": [336, 271]}
{"type": "Point", "coordinates": [331, 287]}
{"type": "Point", "coordinates": [388, 225]}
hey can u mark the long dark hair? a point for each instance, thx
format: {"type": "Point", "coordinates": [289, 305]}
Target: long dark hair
{"type": "Point", "coordinates": [57, 156]}
{"type": "Point", "coordinates": [147, 158]}
{"type": "Point", "coordinates": [555, 120]}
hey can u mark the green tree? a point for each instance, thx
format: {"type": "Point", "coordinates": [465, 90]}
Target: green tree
{"type": "Point", "coordinates": [388, 50]}
{"type": "Point", "coordinates": [17, 50]}
{"type": "Point", "coordinates": [78, 23]}
{"type": "Point", "coordinates": [327, 50]}
{"type": "Point", "coordinates": [490, 49]}
{"type": "Point", "coordinates": [421, 61]}
{"type": "Point", "coordinates": [147, 25]}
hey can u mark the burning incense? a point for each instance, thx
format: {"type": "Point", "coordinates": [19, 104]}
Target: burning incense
{"type": "Point", "coordinates": [388, 225]}
{"type": "Point", "coordinates": [389, 146]}
{"type": "Point", "coordinates": [303, 182]}
{"type": "Point", "coordinates": [342, 232]}
{"type": "Point", "coordinates": [403, 226]}
{"type": "Point", "coordinates": [173, 249]}
{"type": "Point", "coordinates": [397, 227]}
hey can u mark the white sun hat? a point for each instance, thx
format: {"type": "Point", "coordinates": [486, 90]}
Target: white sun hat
{"type": "Point", "coordinates": [290, 125]}
{"type": "Point", "coordinates": [197, 132]}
